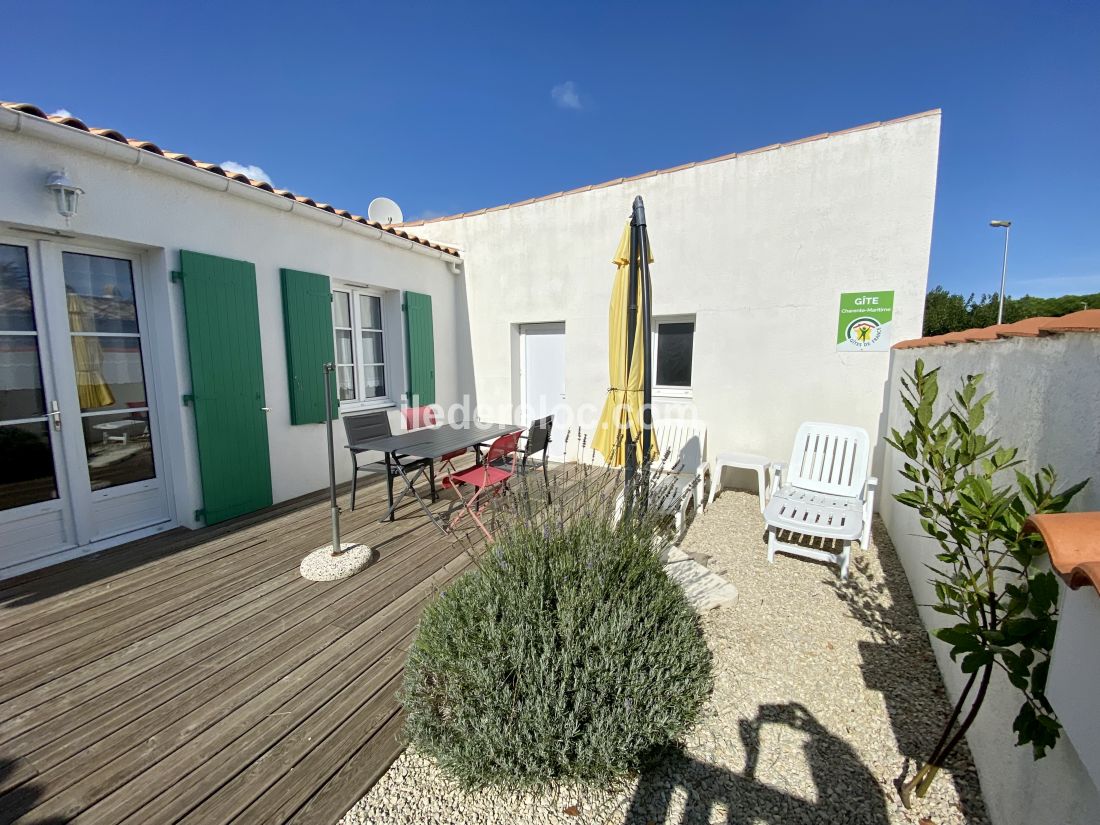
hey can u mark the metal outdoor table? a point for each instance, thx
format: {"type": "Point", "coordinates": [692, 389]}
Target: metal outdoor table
{"type": "Point", "coordinates": [427, 443]}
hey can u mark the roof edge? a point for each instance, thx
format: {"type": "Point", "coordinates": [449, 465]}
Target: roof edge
{"type": "Point", "coordinates": [729, 156]}
{"type": "Point", "coordinates": [30, 110]}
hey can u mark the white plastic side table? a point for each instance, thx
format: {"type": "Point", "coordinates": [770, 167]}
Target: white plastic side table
{"type": "Point", "coordinates": [742, 461]}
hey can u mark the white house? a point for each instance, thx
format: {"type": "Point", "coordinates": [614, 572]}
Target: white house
{"type": "Point", "coordinates": [752, 251]}
{"type": "Point", "coordinates": [120, 413]}
{"type": "Point", "coordinates": [159, 347]}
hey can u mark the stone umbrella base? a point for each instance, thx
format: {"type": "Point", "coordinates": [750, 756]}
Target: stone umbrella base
{"type": "Point", "coordinates": [322, 565]}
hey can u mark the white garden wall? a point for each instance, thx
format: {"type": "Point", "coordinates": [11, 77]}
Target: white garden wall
{"type": "Point", "coordinates": [1046, 397]}
{"type": "Point", "coordinates": [758, 248]}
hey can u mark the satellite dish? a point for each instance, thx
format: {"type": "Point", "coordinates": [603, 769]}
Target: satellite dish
{"type": "Point", "coordinates": [385, 211]}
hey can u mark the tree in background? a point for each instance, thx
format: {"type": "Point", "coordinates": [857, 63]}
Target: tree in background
{"type": "Point", "coordinates": [949, 312]}
{"type": "Point", "coordinates": [946, 312]}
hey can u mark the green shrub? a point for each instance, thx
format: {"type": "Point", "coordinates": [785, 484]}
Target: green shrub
{"type": "Point", "coordinates": [568, 654]}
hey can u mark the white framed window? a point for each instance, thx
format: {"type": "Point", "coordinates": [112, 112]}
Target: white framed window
{"type": "Point", "coordinates": [362, 374]}
{"type": "Point", "coordinates": [673, 346]}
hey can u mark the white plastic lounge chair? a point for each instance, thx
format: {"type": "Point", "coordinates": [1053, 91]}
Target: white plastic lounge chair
{"type": "Point", "coordinates": [825, 493]}
{"type": "Point", "coordinates": [679, 474]}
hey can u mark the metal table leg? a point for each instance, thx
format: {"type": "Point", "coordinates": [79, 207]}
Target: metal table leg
{"type": "Point", "coordinates": [389, 488]}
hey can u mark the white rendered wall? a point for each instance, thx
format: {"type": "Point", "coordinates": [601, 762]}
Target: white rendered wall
{"type": "Point", "coordinates": [158, 215]}
{"type": "Point", "coordinates": [758, 248]}
{"type": "Point", "coordinates": [1046, 397]}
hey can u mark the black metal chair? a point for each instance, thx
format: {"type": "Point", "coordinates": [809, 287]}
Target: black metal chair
{"type": "Point", "coordinates": [535, 441]}
{"type": "Point", "coordinates": [365, 426]}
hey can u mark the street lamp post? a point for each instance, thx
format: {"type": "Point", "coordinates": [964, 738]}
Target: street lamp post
{"type": "Point", "coordinates": [1006, 225]}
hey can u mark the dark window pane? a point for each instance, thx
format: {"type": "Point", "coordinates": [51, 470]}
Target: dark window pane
{"type": "Point", "coordinates": [370, 311]}
{"type": "Point", "coordinates": [674, 345]}
{"type": "Point", "coordinates": [108, 372]}
{"type": "Point", "coordinates": [343, 347]}
{"type": "Point", "coordinates": [374, 382]}
{"type": "Point", "coordinates": [372, 348]}
{"type": "Point", "coordinates": [341, 309]}
{"type": "Point", "coordinates": [119, 448]}
{"type": "Point", "coordinates": [20, 378]}
{"type": "Point", "coordinates": [100, 294]}
{"type": "Point", "coordinates": [345, 383]}
{"type": "Point", "coordinates": [16, 309]}
{"type": "Point", "coordinates": [26, 465]}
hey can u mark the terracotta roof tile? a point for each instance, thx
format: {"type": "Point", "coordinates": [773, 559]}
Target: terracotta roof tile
{"type": "Point", "coordinates": [1073, 543]}
{"type": "Point", "coordinates": [26, 108]}
{"type": "Point", "coordinates": [1027, 328]}
{"type": "Point", "coordinates": [679, 168]}
{"type": "Point", "coordinates": [147, 146]}
{"type": "Point", "coordinates": [1087, 320]}
{"type": "Point", "coordinates": [110, 133]}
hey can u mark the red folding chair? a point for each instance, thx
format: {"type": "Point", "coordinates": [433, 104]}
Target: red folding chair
{"type": "Point", "coordinates": [418, 417]}
{"type": "Point", "coordinates": [486, 478]}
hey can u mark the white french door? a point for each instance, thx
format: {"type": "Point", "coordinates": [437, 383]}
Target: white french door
{"type": "Point", "coordinates": [79, 450]}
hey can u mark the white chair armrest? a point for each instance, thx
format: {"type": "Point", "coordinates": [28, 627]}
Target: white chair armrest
{"type": "Point", "coordinates": [868, 511]}
{"type": "Point", "coordinates": [777, 468]}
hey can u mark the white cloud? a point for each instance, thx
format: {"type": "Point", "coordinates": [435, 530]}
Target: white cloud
{"type": "Point", "coordinates": [254, 172]}
{"type": "Point", "coordinates": [567, 96]}
{"type": "Point", "coordinates": [428, 214]}
{"type": "Point", "coordinates": [61, 113]}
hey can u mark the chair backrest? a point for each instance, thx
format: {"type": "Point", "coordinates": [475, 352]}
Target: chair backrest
{"type": "Point", "coordinates": [683, 445]}
{"type": "Point", "coordinates": [367, 425]}
{"type": "Point", "coordinates": [830, 458]}
{"type": "Point", "coordinates": [504, 446]}
{"type": "Point", "coordinates": [417, 417]}
{"type": "Point", "coordinates": [538, 436]}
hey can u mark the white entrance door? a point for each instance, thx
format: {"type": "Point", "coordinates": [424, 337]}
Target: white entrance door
{"type": "Point", "coordinates": [543, 380]}
{"type": "Point", "coordinates": [79, 454]}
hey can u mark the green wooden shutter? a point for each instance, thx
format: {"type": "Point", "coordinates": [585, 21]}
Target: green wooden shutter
{"type": "Point", "coordinates": [223, 343]}
{"type": "Point", "coordinates": [420, 342]}
{"type": "Point", "coordinates": [307, 318]}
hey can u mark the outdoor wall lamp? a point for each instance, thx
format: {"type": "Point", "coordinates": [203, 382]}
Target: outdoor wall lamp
{"type": "Point", "coordinates": [66, 193]}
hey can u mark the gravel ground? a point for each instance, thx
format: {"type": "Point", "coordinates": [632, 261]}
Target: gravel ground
{"type": "Point", "coordinates": [823, 693]}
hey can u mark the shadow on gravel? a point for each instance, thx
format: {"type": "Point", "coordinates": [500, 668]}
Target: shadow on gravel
{"type": "Point", "coordinates": [899, 663]}
{"type": "Point", "coordinates": [846, 790]}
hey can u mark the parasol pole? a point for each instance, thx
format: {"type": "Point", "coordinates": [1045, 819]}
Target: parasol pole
{"type": "Point", "coordinates": [647, 329]}
{"type": "Point", "coordinates": [631, 462]}
{"type": "Point", "coordinates": [334, 508]}
{"type": "Point", "coordinates": [335, 560]}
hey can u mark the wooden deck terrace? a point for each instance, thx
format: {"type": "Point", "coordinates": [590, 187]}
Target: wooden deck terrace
{"type": "Point", "coordinates": [195, 676]}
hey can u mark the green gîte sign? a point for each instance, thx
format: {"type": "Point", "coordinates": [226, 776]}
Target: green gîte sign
{"type": "Point", "coordinates": [865, 321]}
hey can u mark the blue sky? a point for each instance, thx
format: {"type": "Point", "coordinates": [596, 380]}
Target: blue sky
{"type": "Point", "coordinates": [453, 107]}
